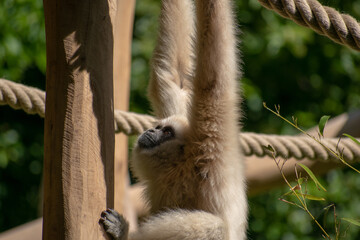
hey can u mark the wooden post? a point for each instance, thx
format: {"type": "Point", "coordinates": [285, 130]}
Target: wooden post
{"type": "Point", "coordinates": [123, 26]}
{"type": "Point", "coordinates": [79, 125]}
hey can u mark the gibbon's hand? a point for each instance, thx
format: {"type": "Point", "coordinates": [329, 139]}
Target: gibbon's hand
{"type": "Point", "coordinates": [114, 224]}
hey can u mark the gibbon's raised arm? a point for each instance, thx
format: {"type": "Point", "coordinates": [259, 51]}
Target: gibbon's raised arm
{"type": "Point", "coordinates": [216, 61]}
{"type": "Point", "coordinates": [215, 98]}
{"type": "Point", "coordinates": [172, 62]}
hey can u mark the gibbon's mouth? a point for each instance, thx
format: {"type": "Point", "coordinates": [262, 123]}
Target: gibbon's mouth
{"type": "Point", "coordinates": [147, 141]}
{"type": "Point", "coordinates": [154, 137]}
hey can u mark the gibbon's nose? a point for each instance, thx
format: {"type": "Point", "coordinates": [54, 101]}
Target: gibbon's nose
{"type": "Point", "coordinates": [153, 131]}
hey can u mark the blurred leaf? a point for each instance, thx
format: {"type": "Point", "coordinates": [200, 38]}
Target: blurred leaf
{"type": "Point", "coordinates": [312, 197]}
{"type": "Point", "coordinates": [352, 221]}
{"type": "Point", "coordinates": [269, 148]}
{"type": "Point", "coordinates": [322, 123]}
{"type": "Point", "coordinates": [352, 138]}
{"type": "Point", "coordinates": [307, 196]}
{"type": "Point", "coordinates": [312, 176]}
{"type": "Point", "coordinates": [3, 159]}
{"type": "Point", "coordinates": [300, 181]}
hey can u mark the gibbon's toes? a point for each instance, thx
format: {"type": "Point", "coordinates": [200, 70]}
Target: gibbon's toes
{"type": "Point", "coordinates": [114, 223]}
{"type": "Point", "coordinates": [111, 215]}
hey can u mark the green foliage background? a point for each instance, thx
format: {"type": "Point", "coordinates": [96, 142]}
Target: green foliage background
{"type": "Point", "coordinates": [307, 74]}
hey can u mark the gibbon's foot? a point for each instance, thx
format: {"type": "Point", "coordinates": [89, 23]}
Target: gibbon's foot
{"type": "Point", "coordinates": [114, 224]}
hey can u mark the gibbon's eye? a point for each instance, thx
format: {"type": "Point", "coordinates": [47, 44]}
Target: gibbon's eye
{"type": "Point", "coordinates": [158, 127]}
{"type": "Point", "coordinates": [168, 131]}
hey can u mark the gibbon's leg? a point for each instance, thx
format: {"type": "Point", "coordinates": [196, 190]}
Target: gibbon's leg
{"type": "Point", "coordinates": [172, 62]}
{"type": "Point", "coordinates": [172, 225]}
{"type": "Point", "coordinates": [182, 225]}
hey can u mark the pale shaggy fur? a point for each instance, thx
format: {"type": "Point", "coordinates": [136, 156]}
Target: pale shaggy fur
{"type": "Point", "coordinates": [195, 182]}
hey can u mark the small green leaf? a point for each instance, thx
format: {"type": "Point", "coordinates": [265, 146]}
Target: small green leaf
{"type": "Point", "coordinates": [311, 174]}
{"type": "Point", "coordinates": [300, 181]}
{"type": "Point", "coordinates": [307, 196]}
{"type": "Point", "coordinates": [322, 123]}
{"type": "Point", "coordinates": [312, 197]}
{"type": "Point", "coordinates": [352, 138]}
{"type": "Point", "coordinates": [270, 148]}
{"type": "Point", "coordinates": [352, 221]}
{"type": "Point", "coordinates": [294, 120]}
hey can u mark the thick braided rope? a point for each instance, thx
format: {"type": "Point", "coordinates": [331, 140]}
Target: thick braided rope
{"type": "Point", "coordinates": [32, 101]}
{"type": "Point", "coordinates": [132, 123]}
{"type": "Point", "coordinates": [341, 28]}
{"type": "Point", "coordinates": [299, 147]}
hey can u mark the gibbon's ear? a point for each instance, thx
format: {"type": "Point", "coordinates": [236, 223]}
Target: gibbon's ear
{"type": "Point", "coordinates": [172, 63]}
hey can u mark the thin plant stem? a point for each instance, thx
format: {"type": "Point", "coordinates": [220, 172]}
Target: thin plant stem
{"type": "Point", "coordinates": [303, 204]}
{"type": "Point", "coordinates": [337, 155]}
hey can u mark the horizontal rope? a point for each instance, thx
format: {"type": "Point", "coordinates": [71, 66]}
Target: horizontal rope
{"type": "Point", "coordinates": [299, 147]}
{"type": "Point", "coordinates": [132, 123]}
{"type": "Point", "coordinates": [32, 101]}
{"type": "Point", "coordinates": [341, 28]}
{"type": "Point", "coordinates": [18, 96]}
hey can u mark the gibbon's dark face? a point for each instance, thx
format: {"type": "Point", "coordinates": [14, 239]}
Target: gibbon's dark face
{"type": "Point", "coordinates": [170, 132]}
{"type": "Point", "coordinates": [155, 136]}
{"type": "Point", "coordinates": [159, 147]}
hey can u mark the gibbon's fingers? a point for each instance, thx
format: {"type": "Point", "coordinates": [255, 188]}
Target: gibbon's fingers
{"type": "Point", "coordinates": [114, 224]}
{"type": "Point", "coordinates": [172, 62]}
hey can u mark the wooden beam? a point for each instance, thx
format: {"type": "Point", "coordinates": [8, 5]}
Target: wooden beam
{"type": "Point", "coordinates": [79, 125]}
{"type": "Point", "coordinates": [123, 27]}
{"type": "Point", "coordinates": [27, 231]}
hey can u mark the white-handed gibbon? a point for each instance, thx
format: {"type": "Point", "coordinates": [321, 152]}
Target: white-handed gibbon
{"type": "Point", "coordinates": [190, 162]}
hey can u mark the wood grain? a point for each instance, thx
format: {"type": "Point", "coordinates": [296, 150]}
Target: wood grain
{"type": "Point", "coordinates": [123, 26]}
{"type": "Point", "coordinates": [79, 125]}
